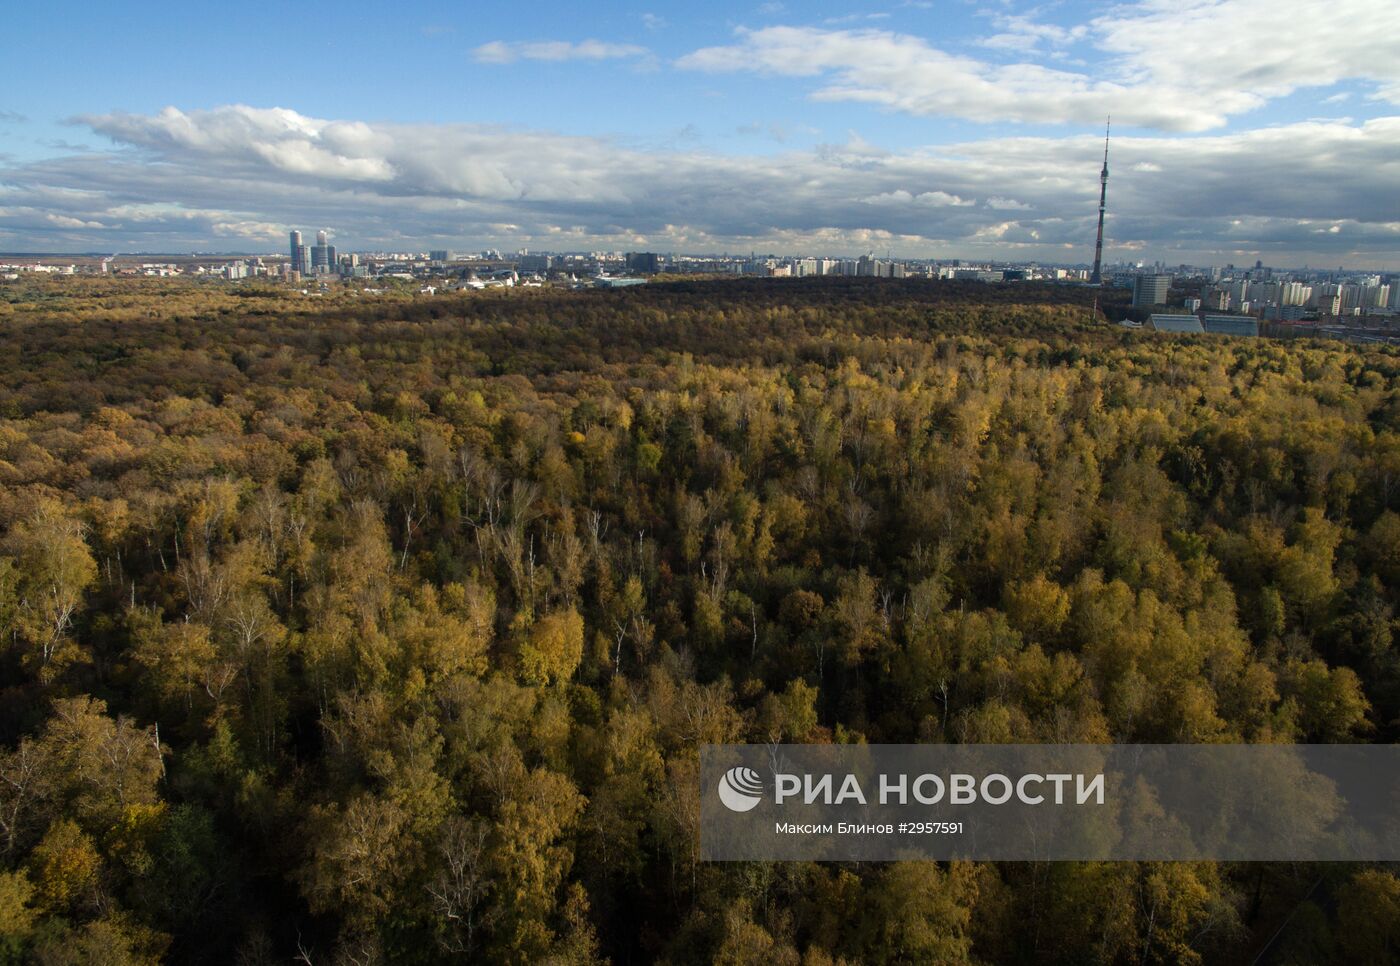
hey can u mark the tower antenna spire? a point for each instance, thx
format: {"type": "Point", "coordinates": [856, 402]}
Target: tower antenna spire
{"type": "Point", "coordinates": [1097, 277]}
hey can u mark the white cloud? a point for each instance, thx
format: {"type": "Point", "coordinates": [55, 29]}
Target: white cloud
{"type": "Point", "coordinates": [1025, 34]}
{"type": "Point", "coordinates": [1174, 65]}
{"type": "Point", "coordinates": [283, 139]}
{"type": "Point", "coordinates": [64, 221]}
{"type": "Point", "coordinates": [902, 72]}
{"type": "Point", "coordinates": [187, 179]}
{"type": "Point", "coordinates": [254, 230]}
{"type": "Point", "coordinates": [508, 52]}
{"type": "Point", "coordinates": [1259, 48]}
{"type": "Point", "coordinates": [926, 199]}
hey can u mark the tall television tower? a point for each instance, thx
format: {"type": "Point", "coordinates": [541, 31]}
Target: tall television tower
{"type": "Point", "coordinates": [1097, 277]}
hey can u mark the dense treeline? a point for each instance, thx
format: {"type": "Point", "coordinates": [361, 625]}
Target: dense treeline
{"type": "Point", "coordinates": [371, 630]}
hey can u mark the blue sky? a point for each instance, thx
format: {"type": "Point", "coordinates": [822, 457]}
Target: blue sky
{"type": "Point", "coordinates": [925, 128]}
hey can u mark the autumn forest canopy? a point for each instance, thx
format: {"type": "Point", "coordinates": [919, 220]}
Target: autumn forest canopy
{"type": "Point", "coordinates": [387, 629]}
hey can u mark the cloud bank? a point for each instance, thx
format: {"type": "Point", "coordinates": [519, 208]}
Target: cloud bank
{"type": "Point", "coordinates": [238, 176]}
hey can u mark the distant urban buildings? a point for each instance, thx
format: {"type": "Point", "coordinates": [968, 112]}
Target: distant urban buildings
{"type": "Point", "coordinates": [1254, 299]}
{"type": "Point", "coordinates": [323, 260]}
{"type": "Point", "coordinates": [317, 259]}
{"type": "Point", "coordinates": [1263, 292]}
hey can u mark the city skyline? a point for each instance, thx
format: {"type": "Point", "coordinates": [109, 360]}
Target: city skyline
{"type": "Point", "coordinates": [920, 130]}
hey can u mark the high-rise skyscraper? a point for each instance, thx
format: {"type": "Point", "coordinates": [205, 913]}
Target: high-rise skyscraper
{"type": "Point", "coordinates": [296, 252]}
{"type": "Point", "coordinates": [322, 254]}
{"type": "Point", "coordinates": [1097, 277]}
{"type": "Point", "coordinates": [1150, 290]}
